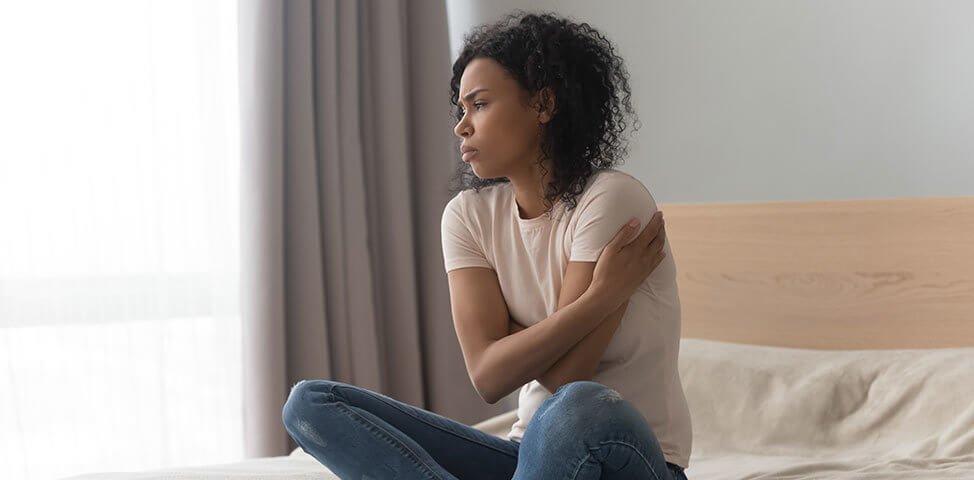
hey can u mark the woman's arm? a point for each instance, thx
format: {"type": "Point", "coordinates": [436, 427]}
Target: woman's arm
{"type": "Point", "coordinates": [513, 360]}
{"type": "Point", "coordinates": [509, 362]}
{"type": "Point", "coordinates": [582, 361]}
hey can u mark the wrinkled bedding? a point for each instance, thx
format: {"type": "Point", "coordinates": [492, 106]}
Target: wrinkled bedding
{"type": "Point", "coordinates": [766, 412]}
{"type": "Point", "coordinates": [774, 413]}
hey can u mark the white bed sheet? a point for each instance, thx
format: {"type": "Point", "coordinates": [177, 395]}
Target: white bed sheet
{"type": "Point", "coordinates": [772, 413]}
{"type": "Point", "coordinates": [781, 413]}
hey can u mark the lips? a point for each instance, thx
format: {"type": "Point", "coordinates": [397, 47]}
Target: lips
{"type": "Point", "coordinates": [467, 152]}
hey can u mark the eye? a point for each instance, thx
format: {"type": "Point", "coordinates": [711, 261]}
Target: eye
{"type": "Point", "coordinates": [478, 104]}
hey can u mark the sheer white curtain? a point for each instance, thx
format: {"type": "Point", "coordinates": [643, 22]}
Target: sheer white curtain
{"type": "Point", "coordinates": [119, 325]}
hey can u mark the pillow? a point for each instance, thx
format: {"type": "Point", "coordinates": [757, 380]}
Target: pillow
{"type": "Point", "coordinates": [828, 403]}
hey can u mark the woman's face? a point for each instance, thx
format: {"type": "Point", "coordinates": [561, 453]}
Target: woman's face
{"type": "Point", "coordinates": [496, 122]}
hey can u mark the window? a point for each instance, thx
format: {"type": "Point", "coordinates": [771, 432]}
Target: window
{"type": "Point", "coordinates": [119, 322]}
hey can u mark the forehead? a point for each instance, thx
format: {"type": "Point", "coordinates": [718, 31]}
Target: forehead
{"type": "Point", "coordinates": [483, 73]}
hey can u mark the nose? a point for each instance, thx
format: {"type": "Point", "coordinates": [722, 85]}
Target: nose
{"type": "Point", "coordinates": [463, 128]}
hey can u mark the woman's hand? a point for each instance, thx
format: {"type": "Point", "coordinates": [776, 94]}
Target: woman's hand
{"type": "Point", "coordinates": [622, 267]}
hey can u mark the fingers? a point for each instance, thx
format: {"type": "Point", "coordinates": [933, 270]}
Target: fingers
{"type": "Point", "coordinates": [657, 259]}
{"type": "Point", "coordinates": [654, 252]}
{"type": "Point", "coordinates": [653, 228]}
{"type": "Point", "coordinates": [625, 234]}
{"type": "Point", "coordinates": [657, 243]}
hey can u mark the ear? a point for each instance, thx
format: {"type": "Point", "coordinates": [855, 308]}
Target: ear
{"type": "Point", "coordinates": [544, 103]}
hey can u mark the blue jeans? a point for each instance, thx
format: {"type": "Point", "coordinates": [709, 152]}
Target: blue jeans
{"type": "Point", "coordinates": [584, 431]}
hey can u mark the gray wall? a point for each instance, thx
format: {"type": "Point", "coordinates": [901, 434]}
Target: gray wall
{"type": "Point", "coordinates": [766, 100]}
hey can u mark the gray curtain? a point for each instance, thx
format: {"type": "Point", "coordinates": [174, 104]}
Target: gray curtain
{"type": "Point", "coordinates": [347, 150]}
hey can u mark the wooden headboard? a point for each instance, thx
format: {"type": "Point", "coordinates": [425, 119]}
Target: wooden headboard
{"type": "Point", "coordinates": [841, 274]}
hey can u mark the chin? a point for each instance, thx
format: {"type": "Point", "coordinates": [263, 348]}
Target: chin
{"type": "Point", "coordinates": [478, 171]}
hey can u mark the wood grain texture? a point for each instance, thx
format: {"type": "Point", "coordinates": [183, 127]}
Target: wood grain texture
{"type": "Point", "coordinates": [840, 274]}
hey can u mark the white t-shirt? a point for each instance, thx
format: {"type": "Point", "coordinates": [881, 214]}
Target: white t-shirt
{"type": "Point", "coordinates": [530, 256]}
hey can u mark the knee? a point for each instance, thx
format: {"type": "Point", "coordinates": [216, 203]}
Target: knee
{"type": "Point", "coordinates": [301, 398]}
{"type": "Point", "coordinates": [590, 405]}
{"type": "Point", "coordinates": [585, 393]}
{"type": "Point", "coordinates": [295, 403]}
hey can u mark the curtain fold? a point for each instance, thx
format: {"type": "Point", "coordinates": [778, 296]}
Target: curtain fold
{"type": "Point", "coordinates": [347, 149]}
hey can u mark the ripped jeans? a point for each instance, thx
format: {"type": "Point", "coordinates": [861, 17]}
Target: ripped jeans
{"type": "Point", "coordinates": [584, 431]}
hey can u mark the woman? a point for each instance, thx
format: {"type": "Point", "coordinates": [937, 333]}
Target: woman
{"type": "Point", "coordinates": [551, 290]}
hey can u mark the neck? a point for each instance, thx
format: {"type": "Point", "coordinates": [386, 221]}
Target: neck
{"type": "Point", "coordinates": [529, 188]}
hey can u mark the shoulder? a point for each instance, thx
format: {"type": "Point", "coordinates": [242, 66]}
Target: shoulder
{"type": "Point", "coordinates": [454, 206]}
{"type": "Point", "coordinates": [612, 179]}
{"type": "Point", "coordinates": [470, 205]}
{"type": "Point", "coordinates": [614, 187]}
{"type": "Point", "coordinates": [455, 211]}
{"type": "Point", "coordinates": [611, 200]}
{"type": "Point", "coordinates": [486, 198]}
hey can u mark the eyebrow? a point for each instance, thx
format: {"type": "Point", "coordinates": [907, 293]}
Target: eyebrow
{"type": "Point", "coordinates": [470, 95]}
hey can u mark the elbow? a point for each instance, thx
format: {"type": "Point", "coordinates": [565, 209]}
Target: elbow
{"type": "Point", "coordinates": [485, 390]}
{"type": "Point", "coordinates": [490, 399]}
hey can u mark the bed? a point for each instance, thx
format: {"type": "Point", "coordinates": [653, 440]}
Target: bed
{"type": "Point", "coordinates": [825, 339]}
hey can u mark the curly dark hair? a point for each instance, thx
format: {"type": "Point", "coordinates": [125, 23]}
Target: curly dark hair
{"type": "Point", "coordinates": [591, 89]}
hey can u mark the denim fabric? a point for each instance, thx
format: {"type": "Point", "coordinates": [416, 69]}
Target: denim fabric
{"type": "Point", "coordinates": [584, 431]}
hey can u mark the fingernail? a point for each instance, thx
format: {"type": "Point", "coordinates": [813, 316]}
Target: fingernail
{"type": "Point", "coordinates": [634, 222]}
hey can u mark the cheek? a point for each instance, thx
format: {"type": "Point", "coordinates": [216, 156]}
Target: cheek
{"type": "Point", "coordinates": [503, 136]}
{"type": "Point", "coordinates": [511, 132]}
{"type": "Point", "coordinates": [519, 139]}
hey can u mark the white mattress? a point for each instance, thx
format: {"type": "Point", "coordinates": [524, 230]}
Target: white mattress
{"type": "Point", "coordinates": [774, 413]}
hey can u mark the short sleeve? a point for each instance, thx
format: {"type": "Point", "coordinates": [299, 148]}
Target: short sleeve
{"type": "Point", "coordinates": [613, 202]}
{"type": "Point", "coordinates": [460, 249]}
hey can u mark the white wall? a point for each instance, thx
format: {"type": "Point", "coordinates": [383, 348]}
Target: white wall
{"type": "Point", "coordinates": [764, 100]}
